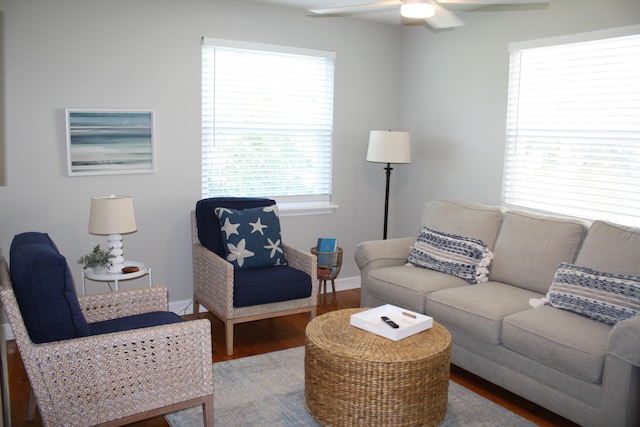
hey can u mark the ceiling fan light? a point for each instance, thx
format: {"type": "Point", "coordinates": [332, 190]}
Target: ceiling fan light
{"type": "Point", "coordinates": [417, 9]}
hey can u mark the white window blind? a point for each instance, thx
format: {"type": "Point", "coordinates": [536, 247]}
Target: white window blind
{"type": "Point", "coordinates": [267, 121]}
{"type": "Point", "coordinates": [573, 127]}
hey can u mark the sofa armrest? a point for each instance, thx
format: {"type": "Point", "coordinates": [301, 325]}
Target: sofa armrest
{"type": "Point", "coordinates": [624, 341]}
{"type": "Point", "coordinates": [383, 253]}
{"type": "Point", "coordinates": [112, 305]}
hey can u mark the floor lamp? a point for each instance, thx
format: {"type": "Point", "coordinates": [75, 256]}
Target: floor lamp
{"type": "Point", "coordinates": [388, 147]}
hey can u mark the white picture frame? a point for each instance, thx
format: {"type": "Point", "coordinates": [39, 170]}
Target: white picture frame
{"type": "Point", "coordinates": [108, 142]}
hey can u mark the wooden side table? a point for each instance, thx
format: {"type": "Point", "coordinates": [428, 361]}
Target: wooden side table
{"type": "Point", "coordinates": [329, 265]}
{"type": "Point", "coordinates": [116, 277]}
{"type": "Point", "coordinates": [357, 378]}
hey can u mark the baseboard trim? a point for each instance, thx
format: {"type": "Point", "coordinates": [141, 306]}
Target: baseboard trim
{"type": "Point", "coordinates": [185, 307]}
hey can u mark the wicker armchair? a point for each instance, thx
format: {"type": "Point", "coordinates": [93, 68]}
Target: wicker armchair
{"type": "Point", "coordinates": [117, 378]}
{"type": "Point", "coordinates": [213, 286]}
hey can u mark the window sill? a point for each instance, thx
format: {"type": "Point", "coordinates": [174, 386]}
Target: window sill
{"type": "Point", "coordinates": [302, 208]}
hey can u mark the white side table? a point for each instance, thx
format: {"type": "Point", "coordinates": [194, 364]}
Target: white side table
{"type": "Point", "coordinates": [116, 277]}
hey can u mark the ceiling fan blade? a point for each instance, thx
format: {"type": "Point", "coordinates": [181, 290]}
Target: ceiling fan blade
{"type": "Point", "coordinates": [354, 8]}
{"type": "Point", "coordinates": [443, 18]}
{"type": "Point", "coordinates": [491, 2]}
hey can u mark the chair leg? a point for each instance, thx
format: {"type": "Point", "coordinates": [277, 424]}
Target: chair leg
{"type": "Point", "coordinates": [31, 407]}
{"type": "Point", "coordinates": [228, 333]}
{"type": "Point", "coordinates": [207, 412]}
{"type": "Point", "coordinates": [196, 306]}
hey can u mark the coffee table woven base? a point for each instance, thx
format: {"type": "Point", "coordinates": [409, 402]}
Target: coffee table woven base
{"type": "Point", "coordinates": [357, 378]}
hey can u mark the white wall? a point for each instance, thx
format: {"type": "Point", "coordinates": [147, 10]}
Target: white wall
{"type": "Point", "coordinates": [447, 88]}
{"type": "Point", "coordinates": [145, 54]}
{"type": "Point", "coordinates": [454, 98]}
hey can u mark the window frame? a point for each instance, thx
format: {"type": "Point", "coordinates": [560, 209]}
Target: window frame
{"type": "Point", "coordinates": [515, 115]}
{"type": "Point", "coordinates": [290, 204]}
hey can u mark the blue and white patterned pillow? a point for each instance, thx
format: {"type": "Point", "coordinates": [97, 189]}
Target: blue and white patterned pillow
{"type": "Point", "coordinates": [252, 236]}
{"type": "Point", "coordinates": [460, 256]}
{"type": "Point", "coordinates": [606, 297]}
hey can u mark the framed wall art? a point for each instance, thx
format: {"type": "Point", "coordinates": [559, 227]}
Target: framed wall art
{"type": "Point", "coordinates": [104, 142]}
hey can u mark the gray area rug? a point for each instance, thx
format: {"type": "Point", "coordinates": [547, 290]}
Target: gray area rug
{"type": "Point", "coordinates": [268, 390]}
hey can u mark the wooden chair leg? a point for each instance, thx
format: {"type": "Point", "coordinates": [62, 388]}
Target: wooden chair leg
{"type": "Point", "coordinates": [228, 333]}
{"type": "Point", "coordinates": [207, 412]}
{"type": "Point", "coordinates": [31, 407]}
{"type": "Point", "coordinates": [196, 307]}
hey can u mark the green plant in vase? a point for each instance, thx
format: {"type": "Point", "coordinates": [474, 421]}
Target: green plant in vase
{"type": "Point", "coordinates": [99, 260]}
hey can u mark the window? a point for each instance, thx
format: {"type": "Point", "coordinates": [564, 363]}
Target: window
{"type": "Point", "coordinates": [573, 126]}
{"type": "Point", "coordinates": [267, 122]}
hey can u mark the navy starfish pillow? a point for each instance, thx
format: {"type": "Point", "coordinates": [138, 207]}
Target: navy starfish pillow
{"type": "Point", "coordinates": [252, 236]}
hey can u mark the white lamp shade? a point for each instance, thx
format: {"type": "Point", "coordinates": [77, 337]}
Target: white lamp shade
{"type": "Point", "coordinates": [112, 215]}
{"type": "Point", "coordinates": [389, 147]}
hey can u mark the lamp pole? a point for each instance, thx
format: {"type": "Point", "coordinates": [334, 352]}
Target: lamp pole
{"type": "Point", "coordinates": [388, 170]}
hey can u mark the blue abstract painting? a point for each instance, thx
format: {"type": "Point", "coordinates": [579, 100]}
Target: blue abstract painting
{"type": "Point", "coordinates": [104, 142]}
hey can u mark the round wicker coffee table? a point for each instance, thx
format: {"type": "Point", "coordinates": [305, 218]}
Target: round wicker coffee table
{"type": "Point", "coordinates": [357, 378]}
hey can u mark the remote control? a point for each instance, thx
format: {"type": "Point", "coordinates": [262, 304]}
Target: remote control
{"type": "Point", "coordinates": [390, 322]}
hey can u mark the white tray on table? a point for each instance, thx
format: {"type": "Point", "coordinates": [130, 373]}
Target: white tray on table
{"type": "Point", "coordinates": [409, 322]}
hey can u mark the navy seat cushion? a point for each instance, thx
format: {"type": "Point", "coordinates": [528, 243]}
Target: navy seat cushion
{"type": "Point", "coordinates": [209, 231]}
{"type": "Point", "coordinates": [44, 289]}
{"type": "Point", "coordinates": [265, 285]}
{"type": "Point", "coordinates": [137, 321]}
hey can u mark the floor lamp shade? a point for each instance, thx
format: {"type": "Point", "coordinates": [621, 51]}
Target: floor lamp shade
{"type": "Point", "coordinates": [113, 216]}
{"type": "Point", "coordinates": [388, 147]}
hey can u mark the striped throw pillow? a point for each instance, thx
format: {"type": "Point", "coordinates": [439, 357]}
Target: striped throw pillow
{"type": "Point", "coordinates": [460, 256]}
{"type": "Point", "coordinates": [606, 297]}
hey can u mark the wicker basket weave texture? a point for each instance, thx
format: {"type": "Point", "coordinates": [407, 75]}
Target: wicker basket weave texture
{"type": "Point", "coordinates": [106, 378]}
{"type": "Point", "coordinates": [356, 378]}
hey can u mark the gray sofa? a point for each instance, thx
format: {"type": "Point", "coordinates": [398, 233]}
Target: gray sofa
{"type": "Point", "coordinates": [582, 369]}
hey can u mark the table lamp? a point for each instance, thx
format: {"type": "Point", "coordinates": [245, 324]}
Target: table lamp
{"type": "Point", "coordinates": [388, 147]}
{"type": "Point", "coordinates": [113, 216]}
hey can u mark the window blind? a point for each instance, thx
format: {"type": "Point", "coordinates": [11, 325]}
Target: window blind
{"type": "Point", "coordinates": [267, 121]}
{"type": "Point", "coordinates": [573, 128]}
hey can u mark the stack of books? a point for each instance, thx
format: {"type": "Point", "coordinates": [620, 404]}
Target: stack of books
{"type": "Point", "coordinates": [326, 260]}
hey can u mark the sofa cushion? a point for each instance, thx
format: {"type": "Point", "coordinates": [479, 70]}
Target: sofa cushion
{"type": "Point", "coordinates": [408, 286]}
{"type": "Point", "coordinates": [44, 290]}
{"type": "Point", "coordinates": [608, 298]}
{"type": "Point", "coordinates": [478, 310]}
{"type": "Point", "coordinates": [460, 256]}
{"type": "Point", "coordinates": [612, 248]}
{"type": "Point", "coordinates": [265, 285]}
{"type": "Point", "coordinates": [464, 218]}
{"type": "Point", "coordinates": [530, 247]}
{"type": "Point", "coordinates": [252, 236]}
{"type": "Point", "coordinates": [572, 343]}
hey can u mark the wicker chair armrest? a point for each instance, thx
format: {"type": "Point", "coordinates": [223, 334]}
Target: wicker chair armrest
{"type": "Point", "coordinates": [212, 280]}
{"type": "Point", "coordinates": [112, 305]}
{"type": "Point", "coordinates": [301, 260]}
{"type": "Point", "coordinates": [116, 375]}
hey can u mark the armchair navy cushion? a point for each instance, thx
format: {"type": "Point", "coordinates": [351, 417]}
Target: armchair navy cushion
{"type": "Point", "coordinates": [209, 231]}
{"type": "Point", "coordinates": [44, 289]}
{"type": "Point", "coordinates": [137, 321]}
{"type": "Point", "coordinates": [255, 286]}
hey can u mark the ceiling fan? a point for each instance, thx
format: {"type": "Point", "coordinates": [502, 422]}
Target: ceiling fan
{"type": "Point", "coordinates": [435, 13]}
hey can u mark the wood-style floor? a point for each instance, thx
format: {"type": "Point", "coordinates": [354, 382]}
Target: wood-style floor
{"type": "Point", "coordinates": [278, 334]}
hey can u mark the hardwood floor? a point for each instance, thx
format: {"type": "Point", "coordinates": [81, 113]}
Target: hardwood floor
{"type": "Point", "coordinates": [278, 334]}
